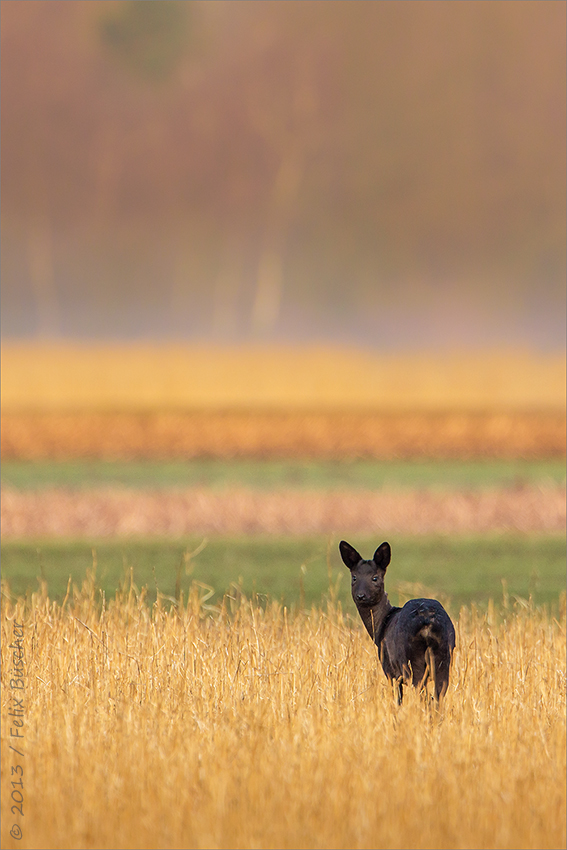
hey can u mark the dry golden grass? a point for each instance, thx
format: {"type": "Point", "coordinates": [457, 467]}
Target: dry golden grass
{"type": "Point", "coordinates": [239, 727]}
{"type": "Point", "coordinates": [120, 512]}
{"type": "Point", "coordinates": [49, 377]}
{"type": "Point", "coordinates": [61, 436]}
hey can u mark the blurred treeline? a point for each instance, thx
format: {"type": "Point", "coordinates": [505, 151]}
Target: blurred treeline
{"type": "Point", "coordinates": [391, 173]}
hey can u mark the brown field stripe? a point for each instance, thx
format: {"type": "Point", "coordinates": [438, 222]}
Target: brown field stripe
{"type": "Point", "coordinates": [34, 436]}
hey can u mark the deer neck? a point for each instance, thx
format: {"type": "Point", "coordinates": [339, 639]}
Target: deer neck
{"type": "Point", "coordinates": [374, 617]}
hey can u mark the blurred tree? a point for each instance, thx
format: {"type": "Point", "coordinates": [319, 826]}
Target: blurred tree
{"type": "Point", "coordinates": [148, 37]}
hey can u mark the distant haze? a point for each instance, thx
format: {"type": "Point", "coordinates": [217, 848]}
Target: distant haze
{"type": "Point", "coordinates": [387, 174]}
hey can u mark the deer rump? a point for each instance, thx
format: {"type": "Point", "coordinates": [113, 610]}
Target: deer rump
{"type": "Point", "coordinates": [416, 644]}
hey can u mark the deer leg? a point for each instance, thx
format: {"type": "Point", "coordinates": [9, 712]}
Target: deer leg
{"type": "Point", "coordinates": [430, 672]}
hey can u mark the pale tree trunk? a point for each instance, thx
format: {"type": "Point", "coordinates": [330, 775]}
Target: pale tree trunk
{"type": "Point", "coordinates": [269, 279]}
{"type": "Point", "coordinates": [40, 262]}
{"type": "Point", "coordinates": [39, 245]}
{"type": "Point", "coordinates": [268, 295]}
{"type": "Point", "coordinates": [182, 276]}
{"type": "Point", "coordinates": [293, 146]}
{"type": "Point", "coordinates": [188, 272]}
{"type": "Point", "coordinates": [226, 289]}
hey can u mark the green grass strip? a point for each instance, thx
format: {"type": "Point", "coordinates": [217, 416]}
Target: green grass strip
{"type": "Point", "coordinates": [271, 474]}
{"type": "Point", "coordinates": [300, 570]}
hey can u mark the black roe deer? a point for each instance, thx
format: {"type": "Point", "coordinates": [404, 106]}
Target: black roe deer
{"type": "Point", "coordinates": [415, 643]}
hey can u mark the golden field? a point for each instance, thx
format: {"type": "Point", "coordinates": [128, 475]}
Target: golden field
{"type": "Point", "coordinates": [235, 726]}
{"type": "Point", "coordinates": [121, 377]}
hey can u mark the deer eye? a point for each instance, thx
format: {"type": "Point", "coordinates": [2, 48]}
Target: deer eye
{"type": "Point", "coordinates": [374, 578]}
{"type": "Point", "coordinates": [353, 579]}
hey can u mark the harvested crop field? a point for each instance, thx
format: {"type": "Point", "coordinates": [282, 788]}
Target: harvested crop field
{"type": "Point", "coordinates": [107, 512]}
{"type": "Point", "coordinates": [315, 434]}
{"type": "Point", "coordinates": [240, 726]}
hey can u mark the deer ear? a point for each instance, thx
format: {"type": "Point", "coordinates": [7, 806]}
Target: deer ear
{"type": "Point", "coordinates": [382, 556]}
{"type": "Point", "coordinates": [349, 555]}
